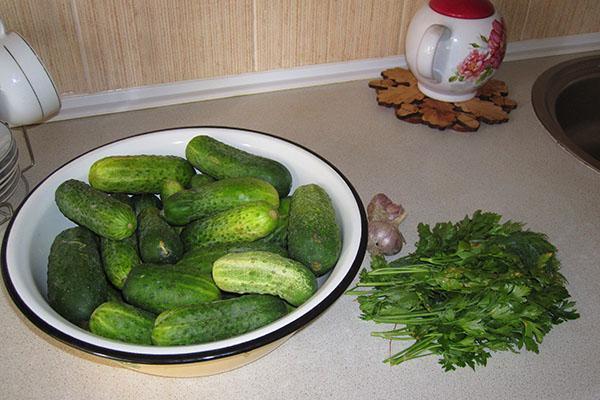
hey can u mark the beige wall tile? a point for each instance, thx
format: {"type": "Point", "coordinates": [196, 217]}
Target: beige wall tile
{"type": "Point", "coordinates": [551, 18]}
{"type": "Point", "coordinates": [293, 33]}
{"type": "Point", "coordinates": [409, 10]}
{"type": "Point", "coordinates": [144, 42]}
{"type": "Point", "coordinates": [49, 27]}
{"type": "Point", "coordinates": [514, 13]}
{"type": "Point", "coordinates": [97, 45]}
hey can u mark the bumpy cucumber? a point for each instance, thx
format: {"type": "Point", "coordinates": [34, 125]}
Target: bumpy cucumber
{"type": "Point", "coordinates": [76, 282]}
{"type": "Point", "coordinates": [114, 294]}
{"type": "Point", "coordinates": [143, 201]}
{"type": "Point", "coordinates": [158, 242]}
{"type": "Point", "coordinates": [221, 160]}
{"type": "Point", "coordinates": [157, 288]}
{"type": "Point", "coordinates": [265, 273]}
{"type": "Point", "coordinates": [118, 257]}
{"type": "Point", "coordinates": [97, 211]}
{"type": "Point", "coordinates": [202, 258]}
{"type": "Point", "coordinates": [244, 223]}
{"type": "Point", "coordinates": [124, 322]}
{"type": "Point", "coordinates": [314, 236]}
{"type": "Point", "coordinates": [123, 197]}
{"type": "Point", "coordinates": [138, 174]}
{"type": "Point", "coordinates": [216, 320]}
{"type": "Point", "coordinates": [169, 188]}
{"type": "Point", "coordinates": [200, 180]}
{"type": "Point", "coordinates": [188, 205]}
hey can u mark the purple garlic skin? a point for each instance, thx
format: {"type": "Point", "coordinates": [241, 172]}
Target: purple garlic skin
{"type": "Point", "coordinates": [384, 238]}
{"type": "Point", "coordinates": [381, 208]}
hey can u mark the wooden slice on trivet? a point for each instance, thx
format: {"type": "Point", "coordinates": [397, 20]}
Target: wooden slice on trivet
{"type": "Point", "coordinates": [398, 89]}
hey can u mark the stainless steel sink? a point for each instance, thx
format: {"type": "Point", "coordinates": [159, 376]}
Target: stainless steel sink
{"type": "Point", "coordinates": [566, 99]}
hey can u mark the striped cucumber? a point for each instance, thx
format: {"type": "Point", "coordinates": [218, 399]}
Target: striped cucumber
{"type": "Point", "coordinates": [200, 180]}
{"type": "Point", "coordinates": [97, 211]}
{"type": "Point", "coordinates": [221, 160]}
{"type": "Point", "coordinates": [203, 258]}
{"type": "Point", "coordinates": [314, 236]}
{"type": "Point", "coordinates": [139, 173]}
{"type": "Point", "coordinates": [188, 205]}
{"type": "Point", "coordinates": [118, 257]}
{"type": "Point", "coordinates": [157, 288]}
{"type": "Point", "coordinates": [244, 223]}
{"type": "Point", "coordinates": [265, 273]}
{"type": "Point", "coordinates": [124, 322]}
{"type": "Point", "coordinates": [158, 241]}
{"type": "Point", "coordinates": [76, 281]}
{"type": "Point", "coordinates": [216, 320]}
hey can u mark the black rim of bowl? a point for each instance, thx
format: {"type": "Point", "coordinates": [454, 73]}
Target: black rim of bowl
{"type": "Point", "coordinates": [166, 359]}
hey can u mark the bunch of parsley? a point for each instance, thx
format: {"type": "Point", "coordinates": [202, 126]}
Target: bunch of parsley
{"type": "Point", "coordinates": [469, 289]}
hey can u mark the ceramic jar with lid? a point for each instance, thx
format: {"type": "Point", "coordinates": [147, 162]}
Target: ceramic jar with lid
{"type": "Point", "coordinates": [454, 46]}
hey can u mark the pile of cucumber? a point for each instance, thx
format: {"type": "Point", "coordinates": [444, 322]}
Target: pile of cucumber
{"type": "Point", "coordinates": [225, 250]}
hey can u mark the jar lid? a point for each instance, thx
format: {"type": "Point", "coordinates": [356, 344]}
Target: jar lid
{"type": "Point", "coordinates": [464, 9]}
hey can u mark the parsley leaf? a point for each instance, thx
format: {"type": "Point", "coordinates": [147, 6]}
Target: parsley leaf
{"type": "Point", "coordinates": [469, 289]}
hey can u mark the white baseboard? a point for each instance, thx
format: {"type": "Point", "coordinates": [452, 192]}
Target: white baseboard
{"type": "Point", "coordinates": [259, 82]}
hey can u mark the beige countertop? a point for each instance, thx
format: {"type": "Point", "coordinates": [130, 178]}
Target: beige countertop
{"type": "Point", "coordinates": [515, 169]}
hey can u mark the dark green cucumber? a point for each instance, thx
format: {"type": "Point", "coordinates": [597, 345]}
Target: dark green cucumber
{"type": "Point", "coordinates": [314, 236]}
{"type": "Point", "coordinates": [114, 294]}
{"type": "Point", "coordinates": [200, 180]}
{"type": "Point", "coordinates": [157, 240]}
{"type": "Point", "coordinates": [118, 257]}
{"type": "Point", "coordinates": [124, 322]}
{"type": "Point", "coordinates": [202, 258]}
{"type": "Point", "coordinates": [265, 273]}
{"type": "Point", "coordinates": [244, 223]}
{"type": "Point", "coordinates": [279, 235]}
{"type": "Point", "coordinates": [138, 174]}
{"type": "Point", "coordinates": [142, 201]}
{"type": "Point", "coordinates": [221, 160]}
{"type": "Point", "coordinates": [188, 205]}
{"type": "Point", "coordinates": [76, 282]}
{"type": "Point", "coordinates": [95, 210]}
{"type": "Point", "coordinates": [157, 288]}
{"type": "Point", "coordinates": [216, 320]}
{"type": "Point", "coordinates": [123, 197]}
{"type": "Point", "coordinates": [169, 188]}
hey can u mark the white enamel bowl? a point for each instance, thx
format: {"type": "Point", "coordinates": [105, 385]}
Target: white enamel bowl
{"type": "Point", "coordinates": [30, 234]}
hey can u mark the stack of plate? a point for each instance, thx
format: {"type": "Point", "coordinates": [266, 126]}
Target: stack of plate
{"type": "Point", "coordinates": [9, 164]}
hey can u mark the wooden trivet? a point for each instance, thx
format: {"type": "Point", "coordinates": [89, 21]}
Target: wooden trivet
{"type": "Point", "coordinates": [398, 89]}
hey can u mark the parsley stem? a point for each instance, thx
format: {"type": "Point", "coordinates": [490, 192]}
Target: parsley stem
{"type": "Point", "coordinates": [404, 269]}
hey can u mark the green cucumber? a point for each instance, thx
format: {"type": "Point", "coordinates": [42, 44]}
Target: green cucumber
{"type": "Point", "coordinates": [139, 173]}
{"type": "Point", "coordinates": [158, 241]}
{"type": "Point", "coordinates": [188, 205]}
{"type": "Point", "coordinates": [118, 257]}
{"type": "Point", "coordinates": [124, 322]}
{"type": "Point", "coordinates": [244, 223]}
{"type": "Point", "coordinates": [157, 288]}
{"type": "Point", "coordinates": [202, 258]}
{"type": "Point", "coordinates": [221, 160]}
{"type": "Point", "coordinates": [142, 201]}
{"type": "Point", "coordinates": [265, 273]}
{"type": "Point", "coordinates": [114, 294]}
{"type": "Point", "coordinates": [123, 197]}
{"type": "Point", "coordinates": [314, 236]}
{"type": "Point", "coordinates": [200, 180]}
{"type": "Point", "coordinates": [216, 320]}
{"type": "Point", "coordinates": [76, 282]}
{"type": "Point", "coordinates": [95, 210]}
{"type": "Point", "coordinates": [169, 188]}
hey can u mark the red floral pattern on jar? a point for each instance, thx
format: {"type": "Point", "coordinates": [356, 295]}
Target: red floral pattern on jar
{"type": "Point", "coordinates": [485, 57]}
